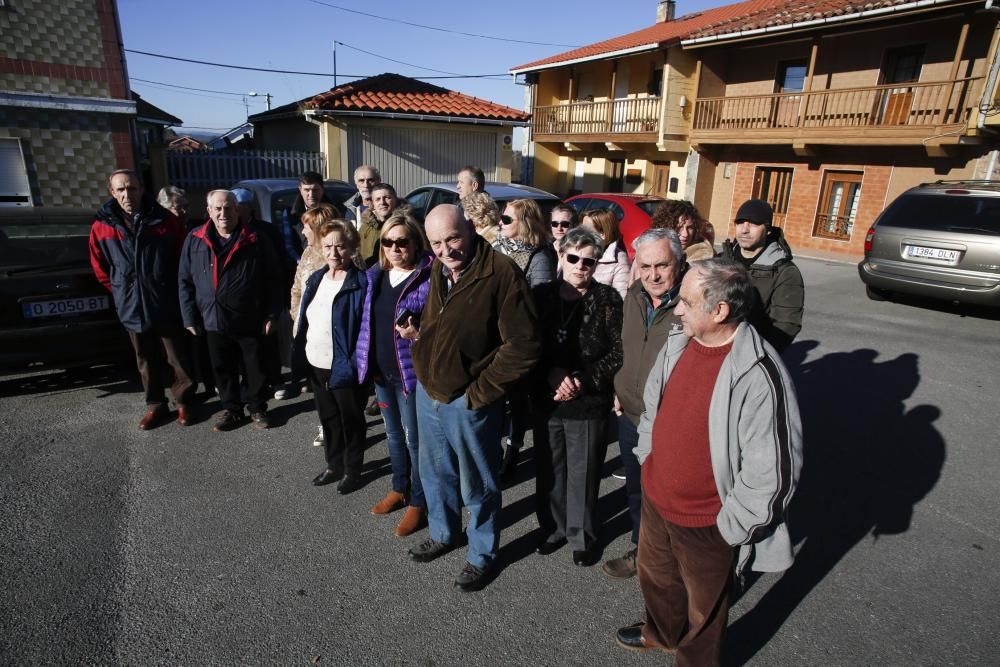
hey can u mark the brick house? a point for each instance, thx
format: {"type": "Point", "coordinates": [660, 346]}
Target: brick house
{"type": "Point", "coordinates": [66, 115]}
{"type": "Point", "coordinates": [826, 109]}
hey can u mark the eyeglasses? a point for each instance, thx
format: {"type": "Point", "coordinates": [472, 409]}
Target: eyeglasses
{"type": "Point", "coordinates": [506, 220]}
{"type": "Point", "coordinates": [399, 243]}
{"type": "Point", "coordinates": [588, 262]}
{"type": "Point", "coordinates": [561, 224]}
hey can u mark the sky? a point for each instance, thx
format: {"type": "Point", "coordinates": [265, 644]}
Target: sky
{"type": "Point", "coordinates": [299, 35]}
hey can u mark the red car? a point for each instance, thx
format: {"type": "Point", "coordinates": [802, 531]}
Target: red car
{"type": "Point", "coordinates": [634, 213]}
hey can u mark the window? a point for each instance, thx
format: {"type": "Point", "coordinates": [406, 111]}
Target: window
{"type": "Point", "coordinates": [418, 201]}
{"type": "Point", "coordinates": [14, 187]}
{"type": "Point", "coordinates": [654, 87]}
{"type": "Point", "coordinates": [838, 205]}
{"type": "Point", "coordinates": [902, 65]}
{"type": "Point", "coordinates": [791, 77]}
{"type": "Point", "coordinates": [581, 204]}
{"type": "Point", "coordinates": [774, 185]}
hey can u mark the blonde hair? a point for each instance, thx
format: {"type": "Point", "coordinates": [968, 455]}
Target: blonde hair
{"type": "Point", "coordinates": [481, 209]}
{"type": "Point", "coordinates": [414, 232]}
{"type": "Point", "coordinates": [316, 216]}
{"type": "Point", "coordinates": [531, 228]}
{"type": "Point", "coordinates": [351, 237]}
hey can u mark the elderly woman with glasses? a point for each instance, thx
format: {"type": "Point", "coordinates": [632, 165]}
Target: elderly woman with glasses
{"type": "Point", "coordinates": [613, 267]}
{"type": "Point", "coordinates": [324, 352]}
{"type": "Point", "coordinates": [581, 323]}
{"type": "Point", "coordinates": [397, 291]}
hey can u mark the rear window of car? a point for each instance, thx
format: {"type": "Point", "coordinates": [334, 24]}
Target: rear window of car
{"type": "Point", "coordinates": [649, 206]}
{"type": "Point", "coordinates": [950, 213]}
{"type": "Point", "coordinates": [38, 245]}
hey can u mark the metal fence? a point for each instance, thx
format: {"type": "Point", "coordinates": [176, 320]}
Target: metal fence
{"type": "Point", "coordinates": [220, 170]}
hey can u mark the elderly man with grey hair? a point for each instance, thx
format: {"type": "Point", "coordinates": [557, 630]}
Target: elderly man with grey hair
{"type": "Point", "coordinates": [366, 177]}
{"type": "Point", "coordinates": [174, 200]}
{"type": "Point", "coordinates": [648, 318]}
{"type": "Point", "coordinates": [229, 295]}
{"type": "Point", "coordinates": [720, 444]}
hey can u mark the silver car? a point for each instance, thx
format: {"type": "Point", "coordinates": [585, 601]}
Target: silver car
{"type": "Point", "coordinates": [274, 195]}
{"type": "Point", "coordinates": [938, 240]}
{"type": "Point", "coordinates": [426, 197]}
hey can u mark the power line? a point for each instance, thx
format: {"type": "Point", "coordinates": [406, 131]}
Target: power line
{"type": "Point", "coordinates": [185, 92]}
{"type": "Point", "coordinates": [174, 85]}
{"type": "Point", "coordinates": [286, 71]}
{"type": "Point", "coordinates": [431, 27]}
{"type": "Point", "coordinates": [400, 62]}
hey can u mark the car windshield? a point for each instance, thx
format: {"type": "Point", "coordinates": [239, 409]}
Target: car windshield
{"type": "Point", "coordinates": [955, 213]}
{"type": "Point", "coordinates": [649, 206]}
{"type": "Point", "coordinates": [25, 245]}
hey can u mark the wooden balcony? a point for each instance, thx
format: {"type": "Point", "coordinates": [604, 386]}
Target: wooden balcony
{"type": "Point", "coordinates": [634, 119]}
{"type": "Point", "coordinates": [888, 114]}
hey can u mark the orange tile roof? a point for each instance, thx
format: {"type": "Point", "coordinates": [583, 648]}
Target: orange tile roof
{"type": "Point", "coordinates": [394, 93]}
{"type": "Point", "coordinates": [748, 15]}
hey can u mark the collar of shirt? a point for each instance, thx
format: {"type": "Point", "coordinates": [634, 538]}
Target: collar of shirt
{"type": "Point", "coordinates": [668, 299]}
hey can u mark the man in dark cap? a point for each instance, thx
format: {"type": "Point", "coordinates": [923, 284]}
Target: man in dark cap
{"type": "Point", "coordinates": [777, 282]}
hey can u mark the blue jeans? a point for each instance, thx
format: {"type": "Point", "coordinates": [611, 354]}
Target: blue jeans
{"type": "Point", "coordinates": [628, 438]}
{"type": "Point", "coordinates": [399, 412]}
{"type": "Point", "coordinates": [459, 460]}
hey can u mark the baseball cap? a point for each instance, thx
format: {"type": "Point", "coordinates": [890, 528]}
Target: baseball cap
{"type": "Point", "coordinates": [757, 211]}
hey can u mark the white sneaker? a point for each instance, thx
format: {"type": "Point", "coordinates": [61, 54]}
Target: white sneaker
{"type": "Point", "coordinates": [289, 390]}
{"type": "Point", "coordinates": [319, 441]}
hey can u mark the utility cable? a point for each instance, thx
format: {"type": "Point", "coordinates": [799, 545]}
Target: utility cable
{"type": "Point", "coordinates": [431, 27]}
{"type": "Point", "coordinates": [400, 62]}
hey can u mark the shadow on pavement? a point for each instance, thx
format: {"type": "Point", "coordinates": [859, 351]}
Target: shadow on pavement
{"type": "Point", "coordinates": [960, 309]}
{"type": "Point", "coordinates": [109, 378]}
{"type": "Point", "coordinates": [867, 461]}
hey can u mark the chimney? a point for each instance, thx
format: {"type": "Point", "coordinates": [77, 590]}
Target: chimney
{"type": "Point", "coordinates": [665, 11]}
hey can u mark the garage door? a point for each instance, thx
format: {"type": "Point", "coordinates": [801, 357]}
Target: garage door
{"type": "Point", "coordinates": [410, 157]}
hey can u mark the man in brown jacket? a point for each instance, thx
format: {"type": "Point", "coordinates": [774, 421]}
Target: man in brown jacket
{"type": "Point", "coordinates": [478, 335]}
{"type": "Point", "coordinates": [649, 318]}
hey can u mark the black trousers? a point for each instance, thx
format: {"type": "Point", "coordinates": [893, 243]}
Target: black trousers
{"type": "Point", "coordinates": [568, 462]}
{"type": "Point", "coordinates": [227, 352]}
{"type": "Point", "coordinates": [341, 413]}
{"type": "Point", "coordinates": [163, 360]}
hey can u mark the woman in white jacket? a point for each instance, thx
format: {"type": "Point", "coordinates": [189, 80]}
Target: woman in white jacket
{"type": "Point", "coordinates": [613, 268]}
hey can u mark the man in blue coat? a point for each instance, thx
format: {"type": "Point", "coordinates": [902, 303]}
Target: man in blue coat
{"type": "Point", "coordinates": [231, 294]}
{"type": "Point", "coordinates": [134, 250]}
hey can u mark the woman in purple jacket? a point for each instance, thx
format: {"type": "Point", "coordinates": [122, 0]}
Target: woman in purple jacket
{"type": "Point", "coordinates": [397, 290]}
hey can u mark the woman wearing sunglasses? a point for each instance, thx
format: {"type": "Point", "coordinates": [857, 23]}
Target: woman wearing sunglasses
{"type": "Point", "coordinates": [397, 290]}
{"type": "Point", "coordinates": [564, 218]}
{"type": "Point", "coordinates": [525, 238]}
{"type": "Point", "coordinates": [613, 268]}
{"type": "Point", "coordinates": [581, 322]}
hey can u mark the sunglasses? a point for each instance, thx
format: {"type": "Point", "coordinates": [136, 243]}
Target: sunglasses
{"type": "Point", "coordinates": [506, 220]}
{"type": "Point", "coordinates": [588, 262]}
{"type": "Point", "coordinates": [561, 224]}
{"type": "Point", "coordinates": [399, 243]}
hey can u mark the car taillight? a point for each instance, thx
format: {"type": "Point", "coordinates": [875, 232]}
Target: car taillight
{"type": "Point", "coordinates": [869, 240]}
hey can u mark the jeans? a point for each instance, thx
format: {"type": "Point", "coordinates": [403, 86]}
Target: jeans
{"type": "Point", "coordinates": [399, 412]}
{"type": "Point", "coordinates": [628, 438]}
{"type": "Point", "coordinates": [459, 460]}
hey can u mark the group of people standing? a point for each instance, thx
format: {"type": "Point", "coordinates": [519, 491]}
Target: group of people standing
{"type": "Point", "coordinates": [479, 325]}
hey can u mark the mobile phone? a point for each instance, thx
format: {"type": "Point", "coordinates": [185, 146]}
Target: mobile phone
{"type": "Point", "coordinates": [404, 318]}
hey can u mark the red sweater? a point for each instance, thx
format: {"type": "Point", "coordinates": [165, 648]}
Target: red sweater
{"type": "Point", "coordinates": [677, 476]}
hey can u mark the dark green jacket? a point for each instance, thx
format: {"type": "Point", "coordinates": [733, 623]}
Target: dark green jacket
{"type": "Point", "coordinates": [480, 338]}
{"type": "Point", "coordinates": [640, 346]}
{"type": "Point", "coordinates": [780, 294]}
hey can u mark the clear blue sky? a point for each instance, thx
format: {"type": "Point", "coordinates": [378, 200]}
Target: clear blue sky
{"type": "Point", "coordinates": [298, 35]}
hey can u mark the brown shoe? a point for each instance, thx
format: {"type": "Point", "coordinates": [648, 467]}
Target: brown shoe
{"type": "Point", "coordinates": [413, 520]}
{"type": "Point", "coordinates": [184, 417]}
{"type": "Point", "coordinates": [154, 415]}
{"type": "Point", "coordinates": [392, 502]}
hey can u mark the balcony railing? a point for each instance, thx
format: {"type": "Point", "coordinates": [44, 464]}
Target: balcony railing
{"type": "Point", "coordinates": [635, 115]}
{"type": "Point", "coordinates": [896, 105]}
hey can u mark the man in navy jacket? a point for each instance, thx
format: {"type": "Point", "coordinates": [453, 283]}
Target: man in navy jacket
{"type": "Point", "coordinates": [230, 292]}
{"type": "Point", "coordinates": [134, 249]}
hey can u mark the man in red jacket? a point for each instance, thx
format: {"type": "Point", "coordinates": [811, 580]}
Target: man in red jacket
{"type": "Point", "coordinates": [135, 249]}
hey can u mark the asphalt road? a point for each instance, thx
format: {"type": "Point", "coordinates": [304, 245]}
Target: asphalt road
{"type": "Point", "coordinates": [183, 546]}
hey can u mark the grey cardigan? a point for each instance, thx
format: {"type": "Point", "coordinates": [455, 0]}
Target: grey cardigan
{"type": "Point", "coordinates": [755, 438]}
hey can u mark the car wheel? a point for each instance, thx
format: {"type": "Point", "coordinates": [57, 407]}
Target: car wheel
{"type": "Point", "coordinates": [876, 294]}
